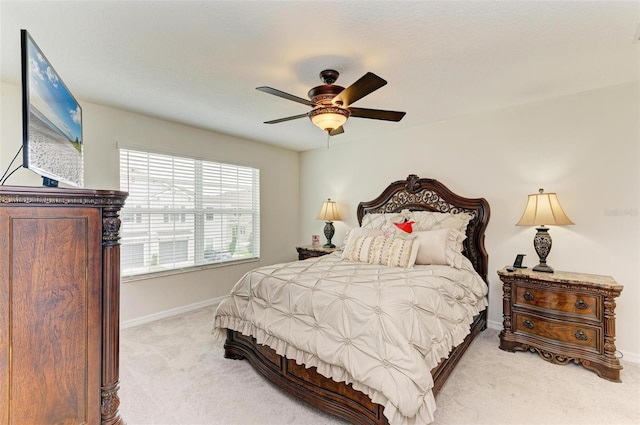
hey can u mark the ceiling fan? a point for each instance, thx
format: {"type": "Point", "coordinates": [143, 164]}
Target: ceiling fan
{"type": "Point", "coordinates": [331, 104]}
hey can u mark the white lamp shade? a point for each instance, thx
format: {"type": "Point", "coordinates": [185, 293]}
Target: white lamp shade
{"type": "Point", "coordinates": [329, 211]}
{"type": "Point", "coordinates": [543, 209]}
{"type": "Point", "coordinates": [329, 118]}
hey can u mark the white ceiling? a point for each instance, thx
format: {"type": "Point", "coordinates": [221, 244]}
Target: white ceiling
{"type": "Point", "coordinates": [199, 62]}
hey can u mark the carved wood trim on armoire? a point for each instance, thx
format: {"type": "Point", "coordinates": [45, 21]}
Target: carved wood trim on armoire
{"type": "Point", "coordinates": [59, 305]}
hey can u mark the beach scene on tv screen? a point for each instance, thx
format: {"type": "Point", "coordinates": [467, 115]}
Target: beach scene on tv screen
{"type": "Point", "coordinates": [55, 123]}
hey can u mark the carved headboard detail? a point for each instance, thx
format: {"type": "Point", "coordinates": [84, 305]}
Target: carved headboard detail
{"type": "Point", "coordinates": [423, 194]}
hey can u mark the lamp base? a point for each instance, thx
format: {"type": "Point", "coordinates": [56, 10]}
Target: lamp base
{"type": "Point", "coordinates": [542, 244]}
{"type": "Point", "coordinates": [329, 232]}
{"type": "Point", "coordinates": [542, 268]}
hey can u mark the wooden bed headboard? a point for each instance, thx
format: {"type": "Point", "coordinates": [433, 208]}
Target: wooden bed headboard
{"type": "Point", "coordinates": [422, 194]}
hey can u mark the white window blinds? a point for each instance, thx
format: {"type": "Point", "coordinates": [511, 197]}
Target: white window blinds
{"type": "Point", "coordinates": [184, 212]}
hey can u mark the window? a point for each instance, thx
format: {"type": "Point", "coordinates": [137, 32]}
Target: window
{"type": "Point", "coordinates": [184, 212]}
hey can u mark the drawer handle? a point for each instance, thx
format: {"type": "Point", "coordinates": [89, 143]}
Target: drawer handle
{"type": "Point", "coordinates": [581, 336]}
{"type": "Point", "coordinates": [581, 305]}
{"type": "Point", "coordinates": [529, 325]}
{"type": "Point", "coordinates": [529, 296]}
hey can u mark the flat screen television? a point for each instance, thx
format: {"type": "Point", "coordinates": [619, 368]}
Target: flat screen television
{"type": "Point", "coordinates": [51, 119]}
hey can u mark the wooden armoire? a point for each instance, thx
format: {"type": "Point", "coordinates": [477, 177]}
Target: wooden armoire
{"type": "Point", "coordinates": [59, 306]}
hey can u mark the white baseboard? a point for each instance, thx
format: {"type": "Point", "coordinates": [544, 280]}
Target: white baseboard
{"type": "Point", "coordinates": [168, 313]}
{"type": "Point", "coordinates": [630, 357]}
{"type": "Point", "coordinates": [494, 325]}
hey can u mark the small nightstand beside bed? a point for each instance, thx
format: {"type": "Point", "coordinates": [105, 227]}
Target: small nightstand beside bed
{"type": "Point", "coordinates": [310, 251]}
{"type": "Point", "coordinates": [563, 317]}
{"type": "Point", "coordinates": [369, 342]}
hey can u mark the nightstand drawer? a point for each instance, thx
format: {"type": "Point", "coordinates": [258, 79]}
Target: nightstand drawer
{"type": "Point", "coordinates": [565, 302]}
{"type": "Point", "coordinates": [584, 336]}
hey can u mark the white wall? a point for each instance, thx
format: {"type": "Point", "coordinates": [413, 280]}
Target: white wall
{"type": "Point", "coordinates": [585, 147]}
{"type": "Point", "coordinates": [105, 128]}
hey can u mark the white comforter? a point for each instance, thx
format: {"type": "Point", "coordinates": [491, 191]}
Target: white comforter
{"type": "Point", "coordinates": [380, 328]}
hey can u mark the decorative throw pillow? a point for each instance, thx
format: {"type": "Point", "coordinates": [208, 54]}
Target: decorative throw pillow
{"type": "Point", "coordinates": [441, 247]}
{"type": "Point", "coordinates": [398, 230]}
{"type": "Point", "coordinates": [393, 252]}
{"type": "Point", "coordinates": [359, 232]}
{"type": "Point", "coordinates": [406, 226]}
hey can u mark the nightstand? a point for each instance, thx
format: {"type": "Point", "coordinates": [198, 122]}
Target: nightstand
{"type": "Point", "coordinates": [562, 316]}
{"type": "Point", "coordinates": [308, 251]}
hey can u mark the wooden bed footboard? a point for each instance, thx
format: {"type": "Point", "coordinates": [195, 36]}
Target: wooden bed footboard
{"type": "Point", "coordinates": [323, 393]}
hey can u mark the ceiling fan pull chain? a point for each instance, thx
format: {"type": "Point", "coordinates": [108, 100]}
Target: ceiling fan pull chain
{"type": "Point", "coordinates": [328, 135]}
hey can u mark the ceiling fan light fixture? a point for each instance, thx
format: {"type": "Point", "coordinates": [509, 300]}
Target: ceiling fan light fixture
{"type": "Point", "coordinates": [329, 117]}
{"type": "Point", "coordinates": [332, 103]}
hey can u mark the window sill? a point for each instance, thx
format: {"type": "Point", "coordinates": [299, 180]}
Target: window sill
{"type": "Point", "coordinates": [153, 275]}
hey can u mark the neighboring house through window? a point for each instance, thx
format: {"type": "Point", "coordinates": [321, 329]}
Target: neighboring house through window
{"type": "Point", "coordinates": [184, 212]}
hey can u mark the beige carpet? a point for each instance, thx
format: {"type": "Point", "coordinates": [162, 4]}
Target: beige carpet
{"type": "Point", "coordinates": [172, 372]}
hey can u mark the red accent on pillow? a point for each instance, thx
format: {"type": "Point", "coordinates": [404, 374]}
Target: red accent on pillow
{"type": "Point", "coordinates": [407, 226]}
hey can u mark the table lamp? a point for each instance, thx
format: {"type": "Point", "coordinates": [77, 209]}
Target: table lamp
{"type": "Point", "coordinates": [329, 214]}
{"type": "Point", "coordinates": [543, 209]}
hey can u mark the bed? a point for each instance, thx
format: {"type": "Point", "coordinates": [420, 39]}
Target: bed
{"type": "Point", "coordinates": [373, 388]}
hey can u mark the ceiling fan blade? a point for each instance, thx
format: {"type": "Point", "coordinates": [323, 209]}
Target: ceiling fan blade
{"type": "Point", "coordinates": [368, 83]}
{"type": "Point", "coordinates": [284, 95]}
{"type": "Point", "coordinates": [376, 114]}
{"type": "Point", "coordinates": [294, 117]}
{"type": "Point", "coordinates": [337, 131]}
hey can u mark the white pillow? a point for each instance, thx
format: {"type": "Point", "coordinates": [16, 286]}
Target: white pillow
{"type": "Point", "coordinates": [429, 220]}
{"type": "Point", "coordinates": [441, 247]}
{"type": "Point", "coordinates": [424, 220]}
{"type": "Point", "coordinates": [393, 252]}
{"type": "Point", "coordinates": [380, 220]}
{"type": "Point", "coordinates": [360, 231]}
